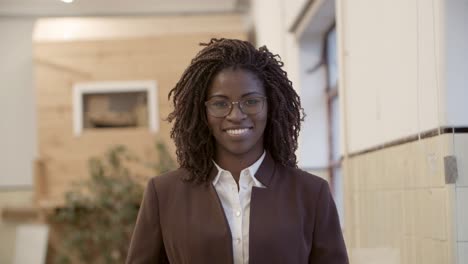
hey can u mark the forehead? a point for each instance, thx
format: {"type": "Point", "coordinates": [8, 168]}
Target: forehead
{"type": "Point", "coordinates": [235, 83]}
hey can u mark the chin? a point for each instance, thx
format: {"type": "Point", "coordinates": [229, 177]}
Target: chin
{"type": "Point", "coordinates": [242, 150]}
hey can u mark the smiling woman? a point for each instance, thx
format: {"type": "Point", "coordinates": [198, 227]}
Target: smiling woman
{"type": "Point", "coordinates": [238, 131]}
{"type": "Point", "coordinates": [238, 196]}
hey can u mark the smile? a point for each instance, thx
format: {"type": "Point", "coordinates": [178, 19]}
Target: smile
{"type": "Point", "coordinates": [238, 131]}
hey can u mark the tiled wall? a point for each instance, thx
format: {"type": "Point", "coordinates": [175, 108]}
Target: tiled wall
{"type": "Point", "coordinates": [461, 152]}
{"type": "Point", "coordinates": [398, 208]}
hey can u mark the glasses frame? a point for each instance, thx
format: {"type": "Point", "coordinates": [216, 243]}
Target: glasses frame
{"type": "Point", "coordinates": [238, 103]}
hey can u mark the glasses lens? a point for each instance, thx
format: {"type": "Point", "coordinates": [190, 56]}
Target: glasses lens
{"type": "Point", "coordinates": [221, 107]}
{"type": "Point", "coordinates": [252, 105]}
{"type": "Point", "coordinates": [218, 107]}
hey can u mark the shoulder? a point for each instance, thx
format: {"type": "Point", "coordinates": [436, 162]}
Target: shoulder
{"type": "Point", "coordinates": [302, 179]}
{"type": "Point", "coordinates": [169, 180]}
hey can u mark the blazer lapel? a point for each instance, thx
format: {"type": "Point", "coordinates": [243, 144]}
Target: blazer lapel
{"type": "Point", "coordinates": [261, 219]}
{"type": "Point", "coordinates": [219, 214]}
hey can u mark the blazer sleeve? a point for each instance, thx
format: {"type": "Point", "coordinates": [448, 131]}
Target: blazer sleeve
{"type": "Point", "coordinates": [328, 244]}
{"type": "Point", "coordinates": [147, 245]}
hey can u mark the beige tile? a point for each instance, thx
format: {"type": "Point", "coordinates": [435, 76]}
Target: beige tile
{"type": "Point", "coordinates": [397, 180]}
{"type": "Point", "coordinates": [414, 167]}
{"type": "Point", "coordinates": [372, 173]}
{"type": "Point", "coordinates": [462, 213]}
{"type": "Point", "coordinates": [417, 166]}
{"type": "Point", "coordinates": [426, 250]}
{"type": "Point", "coordinates": [350, 172]}
{"type": "Point", "coordinates": [385, 218]}
{"type": "Point", "coordinates": [356, 213]}
{"type": "Point", "coordinates": [373, 255]}
{"type": "Point", "coordinates": [396, 213]}
{"type": "Point", "coordinates": [418, 251]}
{"type": "Point", "coordinates": [437, 148]}
{"type": "Point", "coordinates": [371, 212]}
{"type": "Point", "coordinates": [356, 173]}
{"type": "Point", "coordinates": [450, 205]}
{"type": "Point", "coordinates": [420, 211]}
{"type": "Point", "coordinates": [440, 252]}
{"type": "Point", "coordinates": [434, 251]}
{"type": "Point", "coordinates": [386, 171]}
{"type": "Point", "coordinates": [433, 159]}
{"type": "Point", "coordinates": [404, 257]}
{"type": "Point", "coordinates": [381, 216]}
{"type": "Point", "coordinates": [408, 250]}
{"type": "Point", "coordinates": [364, 218]}
{"type": "Point", "coordinates": [406, 214]}
{"type": "Point", "coordinates": [447, 146]}
{"type": "Point", "coordinates": [438, 214]}
{"type": "Point", "coordinates": [380, 223]}
{"type": "Point", "coordinates": [354, 239]}
{"type": "Point", "coordinates": [451, 251]}
{"type": "Point", "coordinates": [410, 213]}
{"type": "Point", "coordinates": [377, 231]}
{"type": "Point", "coordinates": [461, 153]}
{"type": "Point", "coordinates": [352, 224]}
{"type": "Point", "coordinates": [393, 166]}
{"type": "Point", "coordinates": [462, 252]}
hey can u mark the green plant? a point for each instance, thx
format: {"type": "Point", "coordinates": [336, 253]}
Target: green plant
{"type": "Point", "coordinates": [165, 162]}
{"type": "Point", "coordinates": [97, 219]}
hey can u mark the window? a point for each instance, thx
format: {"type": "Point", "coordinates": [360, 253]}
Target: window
{"type": "Point", "coordinates": [104, 105]}
{"type": "Point", "coordinates": [333, 119]}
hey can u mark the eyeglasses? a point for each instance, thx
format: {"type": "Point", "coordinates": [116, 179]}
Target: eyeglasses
{"type": "Point", "coordinates": [221, 107]}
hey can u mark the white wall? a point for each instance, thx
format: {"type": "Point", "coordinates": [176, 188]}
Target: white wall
{"type": "Point", "coordinates": [17, 104]}
{"type": "Point", "coordinates": [292, 9]}
{"type": "Point", "coordinates": [456, 60]}
{"type": "Point", "coordinates": [420, 82]}
{"type": "Point", "coordinates": [429, 65]}
{"type": "Point", "coordinates": [392, 67]}
{"type": "Point", "coordinates": [268, 18]}
{"type": "Point", "coordinates": [313, 143]}
{"type": "Point", "coordinates": [273, 20]}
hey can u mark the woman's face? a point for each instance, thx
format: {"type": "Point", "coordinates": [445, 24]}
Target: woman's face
{"type": "Point", "coordinates": [238, 133]}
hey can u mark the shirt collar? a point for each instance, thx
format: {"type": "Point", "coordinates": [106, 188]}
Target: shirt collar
{"type": "Point", "coordinates": [252, 169]}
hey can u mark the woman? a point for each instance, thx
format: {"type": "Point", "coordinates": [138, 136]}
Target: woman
{"type": "Point", "coordinates": [238, 196]}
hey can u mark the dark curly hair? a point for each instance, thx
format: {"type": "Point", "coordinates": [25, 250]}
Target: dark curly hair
{"type": "Point", "coordinates": [195, 145]}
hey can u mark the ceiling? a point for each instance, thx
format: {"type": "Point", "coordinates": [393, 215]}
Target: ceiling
{"type": "Point", "coordinates": [118, 7]}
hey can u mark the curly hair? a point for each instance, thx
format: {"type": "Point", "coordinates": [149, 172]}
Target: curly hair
{"type": "Point", "coordinates": [195, 144]}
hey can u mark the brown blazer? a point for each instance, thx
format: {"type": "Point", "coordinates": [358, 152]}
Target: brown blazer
{"type": "Point", "coordinates": [293, 220]}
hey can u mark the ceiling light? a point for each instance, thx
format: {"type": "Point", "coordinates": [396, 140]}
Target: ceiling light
{"type": "Point", "coordinates": [67, 1]}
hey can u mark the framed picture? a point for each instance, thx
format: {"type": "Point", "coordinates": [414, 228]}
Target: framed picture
{"type": "Point", "coordinates": [113, 105]}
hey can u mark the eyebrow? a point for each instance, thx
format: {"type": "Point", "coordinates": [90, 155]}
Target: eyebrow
{"type": "Point", "coordinates": [244, 95]}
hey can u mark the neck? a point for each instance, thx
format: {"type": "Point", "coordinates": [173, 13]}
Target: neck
{"type": "Point", "coordinates": [236, 163]}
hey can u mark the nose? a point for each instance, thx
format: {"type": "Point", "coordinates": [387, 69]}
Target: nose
{"type": "Point", "coordinates": [236, 113]}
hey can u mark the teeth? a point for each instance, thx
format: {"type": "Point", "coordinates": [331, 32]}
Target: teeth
{"type": "Point", "coordinates": [237, 131]}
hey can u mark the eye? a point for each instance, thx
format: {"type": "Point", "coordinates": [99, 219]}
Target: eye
{"type": "Point", "coordinates": [220, 103]}
{"type": "Point", "coordinates": [252, 101]}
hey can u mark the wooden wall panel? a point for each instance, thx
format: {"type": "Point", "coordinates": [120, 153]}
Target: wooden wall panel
{"type": "Point", "coordinates": [60, 65]}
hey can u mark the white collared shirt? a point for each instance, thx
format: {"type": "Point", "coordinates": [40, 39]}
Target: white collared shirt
{"type": "Point", "coordinates": [236, 205]}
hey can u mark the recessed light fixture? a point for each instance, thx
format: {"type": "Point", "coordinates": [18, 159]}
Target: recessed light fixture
{"type": "Point", "coordinates": [67, 1]}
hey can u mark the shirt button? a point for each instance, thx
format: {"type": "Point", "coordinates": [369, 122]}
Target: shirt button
{"type": "Point", "coordinates": [238, 240]}
{"type": "Point", "coordinates": [238, 213]}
